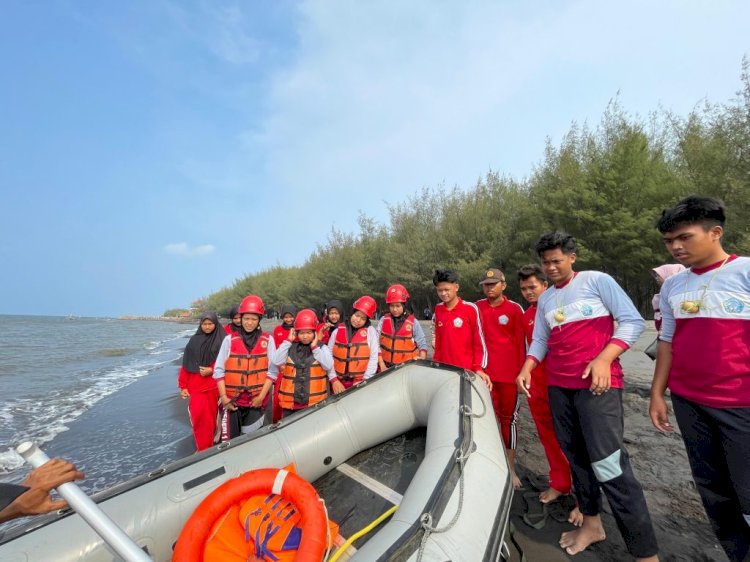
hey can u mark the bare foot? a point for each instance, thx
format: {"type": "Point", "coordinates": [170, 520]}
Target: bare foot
{"type": "Point", "coordinates": [575, 517]}
{"type": "Point", "coordinates": [517, 485]}
{"type": "Point", "coordinates": [549, 495]}
{"type": "Point", "coordinates": [591, 531]}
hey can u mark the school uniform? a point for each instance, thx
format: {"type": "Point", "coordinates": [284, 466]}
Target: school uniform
{"type": "Point", "coordinates": [573, 324]}
{"type": "Point", "coordinates": [504, 337]}
{"type": "Point", "coordinates": [459, 339]}
{"type": "Point", "coordinates": [709, 380]}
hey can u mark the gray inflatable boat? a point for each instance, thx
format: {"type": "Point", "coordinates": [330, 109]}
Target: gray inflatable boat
{"type": "Point", "coordinates": [363, 450]}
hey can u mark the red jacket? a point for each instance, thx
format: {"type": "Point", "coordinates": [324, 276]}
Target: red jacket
{"type": "Point", "coordinates": [459, 339]}
{"type": "Point", "coordinates": [504, 335]}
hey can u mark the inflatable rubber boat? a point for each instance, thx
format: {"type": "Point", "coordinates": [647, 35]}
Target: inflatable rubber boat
{"type": "Point", "coordinates": [450, 479]}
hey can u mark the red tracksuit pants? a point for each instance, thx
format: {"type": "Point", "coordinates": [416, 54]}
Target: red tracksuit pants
{"type": "Point", "coordinates": [559, 469]}
{"type": "Point", "coordinates": [505, 402]}
{"type": "Point", "coordinates": [203, 407]}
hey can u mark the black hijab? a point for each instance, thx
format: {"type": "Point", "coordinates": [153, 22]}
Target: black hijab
{"type": "Point", "coordinates": [232, 313]}
{"type": "Point", "coordinates": [287, 309]}
{"type": "Point", "coordinates": [250, 338]}
{"type": "Point", "coordinates": [202, 349]}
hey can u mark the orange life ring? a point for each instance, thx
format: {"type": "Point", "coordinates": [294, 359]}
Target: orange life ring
{"type": "Point", "coordinates": [192, 540]}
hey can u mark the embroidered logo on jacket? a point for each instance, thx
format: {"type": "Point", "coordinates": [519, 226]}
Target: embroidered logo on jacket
{"type": "Point", "coordinates": [503, 320]}
{"type": "Point", "coordinates": [586, 310]}
{"type": "Point", "coordinates": [733, 305]}
{"type": "Point", "coordinates": [458, 322]}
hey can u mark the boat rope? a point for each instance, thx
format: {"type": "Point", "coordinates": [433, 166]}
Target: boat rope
{"type": "Point", "coordinates": [460, 458]}
{"type": "Point", "coordinates": [329, 539]}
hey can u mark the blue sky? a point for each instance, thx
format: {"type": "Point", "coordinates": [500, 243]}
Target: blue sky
{"type": "Point", "coordinates": [152, 152]}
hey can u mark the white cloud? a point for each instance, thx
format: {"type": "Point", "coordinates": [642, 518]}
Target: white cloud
{"type": "Point", "coordinates": [183, 249]}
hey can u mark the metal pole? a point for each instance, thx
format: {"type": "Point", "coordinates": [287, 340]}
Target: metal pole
{"type": "Point", "coordinates": [115, 537]}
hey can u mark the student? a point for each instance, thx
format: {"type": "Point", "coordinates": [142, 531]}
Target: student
{"type": "Point", "coordinates": [195, 380]}
{"type": "Point", "coordinates": [233, 326]}
{"type": "Point", "coordinates": [32, 496]}
{"type": "Point", "coordinates": [355, 345]}
{"type": "Point", "coordinates": [457, 336]}
{"type": "Point", "coordinates": [401, 336]}
{"type": "Point", "coordinates": [334, 317]}
{"type": "Point", "coordinates": [241, 371]}
{"type": "Point", "coordinates": [661, 274]}
{"type": "Point", "coordinates": [533, 282]}
{"type": "Point", "coordinates": [703, 356]}
{"type": "Point", "coordinates": [305, 366]}
{"type": "Point", "coordinates": [502, 323]}
{"type": "Point", "coordinates": [281, 332]}
{"type": "Point", "coordinates": [575, 331]}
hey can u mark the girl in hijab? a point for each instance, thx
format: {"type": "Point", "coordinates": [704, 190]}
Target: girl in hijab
{"type": "Point", "coordinates": [355, 345]}
{"type": "Point", "coordinates": [235, 320]}
{"type": "Point", "coordinates": [661, 274]}
{"type": "Point", "coordinates": [195, 380]}
{"type": "Point", "coordinates": [334, 318]}
{"type": "Point", "coordinates": [401, 336]}
{"type": "Point", "coordinates": [242, 372]}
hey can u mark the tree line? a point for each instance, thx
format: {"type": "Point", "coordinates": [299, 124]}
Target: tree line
{"type": "Point", "coordinates": [606, 185]}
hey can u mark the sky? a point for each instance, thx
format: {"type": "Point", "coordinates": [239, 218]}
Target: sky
{"type": "Point", "coordinates": [153, 152]}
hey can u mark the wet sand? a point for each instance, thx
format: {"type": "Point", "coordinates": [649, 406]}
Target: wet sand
{"type": "Point", "coordinates": [660, 463]}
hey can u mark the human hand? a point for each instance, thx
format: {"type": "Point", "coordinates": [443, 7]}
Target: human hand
{"type": "Point", "coordinates": [291, 336]}
{"type": "Point", "coordinates": [523, 382]}
{"type": "Point", "coordinates": [600, 371]}
{"type": "Point", "coordinates": [337, 386]}
{"type": "Point", "coordinates": [227, 403]}
{"type": "Point", "coordinates": [485, 377]}
{"type": "Point", "coordinates": [257, 402]}
{"type": "Point", "coordinates": [41, 481]}
{"type": "Point", "coordinates": [184, 393]}
{"type": "Point", "coordinates": [659, 414]}
{"type": "Point", "coordinates": [206, 371]}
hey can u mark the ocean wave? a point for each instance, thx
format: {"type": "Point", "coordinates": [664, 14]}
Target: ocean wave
{"type": "Point", "coordinates": [41, 420]}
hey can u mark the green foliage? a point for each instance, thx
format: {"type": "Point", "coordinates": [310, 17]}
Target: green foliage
{"type": "Point", "coordinates": [606, 186]}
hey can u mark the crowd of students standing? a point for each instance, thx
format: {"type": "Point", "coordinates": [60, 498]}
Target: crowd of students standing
{"type": "Point", "coordinates": [562, 353]}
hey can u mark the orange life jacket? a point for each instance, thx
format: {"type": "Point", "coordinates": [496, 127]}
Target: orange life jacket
{"type": "Point", "coordinates": [350, 358]}
{"type": "Point", "coordinates": [399, 347]}
{"type": "Point", "coordinates": [301, 387]}
{"type": "Point", "coordinates": [246, 371]}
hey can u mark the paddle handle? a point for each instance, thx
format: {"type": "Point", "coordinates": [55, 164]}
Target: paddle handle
{"type": "Point", "coordinates": [107, 529]}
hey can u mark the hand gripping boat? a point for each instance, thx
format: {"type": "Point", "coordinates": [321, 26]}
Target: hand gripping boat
{"type": "Point", "coordinates": [455, 507]}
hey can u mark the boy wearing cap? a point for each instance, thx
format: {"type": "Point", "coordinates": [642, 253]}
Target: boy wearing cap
{"type": "Point", "coordinates": [458, 337]}
{"type": "Point", "coordinates": [502, 321]}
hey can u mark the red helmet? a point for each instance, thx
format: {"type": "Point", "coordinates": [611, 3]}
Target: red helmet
{"type": "Point", "coordinates": [396, 293]}
{"type": "Point", "coordinates": [367, 305]}
{"type": "Point", "coordinates": [252, 304]}
{"type": "Point", "coordinates": [306, 320]}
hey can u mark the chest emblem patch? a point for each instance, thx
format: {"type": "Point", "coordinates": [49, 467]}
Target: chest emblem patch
{"type": "Point", "coordinates": [733, 305]}
{"type": "Point", "coordinates": [503, 320]}
{"type": "Point", "coordinates": [458, 322]}
{"type": "Point", "coordinates": [408, 327]}
{"type": "Point", "coordinates": [363, 333]}
{"type": "Point", "coordinates": [586, 310]}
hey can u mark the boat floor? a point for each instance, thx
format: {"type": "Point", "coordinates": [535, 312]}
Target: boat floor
{"type": "Point", "coordinates": [371, 482]}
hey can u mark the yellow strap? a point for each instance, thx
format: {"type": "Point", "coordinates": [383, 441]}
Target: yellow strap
{"type": "Point", "coordinates": [361, 533]}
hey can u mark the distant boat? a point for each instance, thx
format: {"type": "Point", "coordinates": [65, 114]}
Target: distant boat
{"type": "Point", "coordinates": [72, 317]}
{"type": "Point", "coordinates": [460, 491]}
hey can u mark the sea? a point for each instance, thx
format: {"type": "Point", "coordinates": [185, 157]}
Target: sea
{"type": "Point", "coordinates": [100, 392]}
